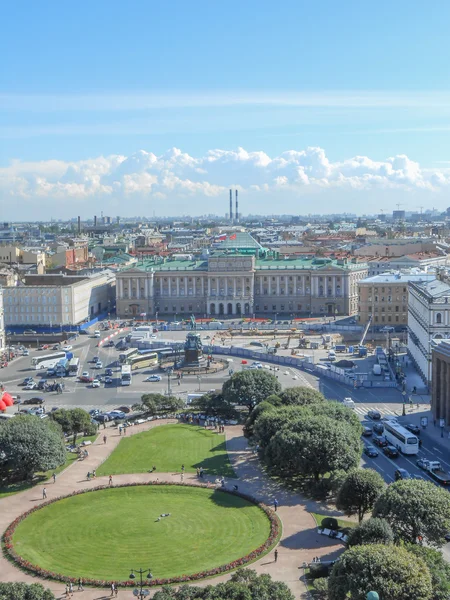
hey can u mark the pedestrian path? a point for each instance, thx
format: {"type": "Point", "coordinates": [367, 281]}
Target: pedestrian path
{"type": "Point", "coordinates": [299, 543]}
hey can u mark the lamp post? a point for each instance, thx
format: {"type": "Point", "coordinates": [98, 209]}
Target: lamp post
{"type": "Point", "coordinates": [140, 592]}
{"type": "Point", "coordinates": [199, 379]}
{"type": "Point", "coordinates": [404, 403]}
{"type": "Point", "coordinates": [169, 389]}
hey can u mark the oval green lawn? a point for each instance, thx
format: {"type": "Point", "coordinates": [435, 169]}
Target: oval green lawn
{"type": "Point", "coordinates": [103, 534]}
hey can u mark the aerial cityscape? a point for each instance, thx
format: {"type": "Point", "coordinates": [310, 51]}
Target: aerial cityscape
{"type": "Point", "coordinates": [225, 301]}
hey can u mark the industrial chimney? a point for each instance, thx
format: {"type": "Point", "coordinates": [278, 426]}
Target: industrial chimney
{"type": "Point", "coordinates": [237, 208]}
{"type": "Point", "coordinates": [79, 224]}
{"type": "Point", "coordinates": [95, 220]}
{"type": "Point", "coordinates": [231, 205]}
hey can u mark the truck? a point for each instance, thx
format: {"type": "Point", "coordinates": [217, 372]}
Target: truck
{"type": "Point", "coordinates": [340, 348]}
{"type": "Point", "coordinates": [435, 470]}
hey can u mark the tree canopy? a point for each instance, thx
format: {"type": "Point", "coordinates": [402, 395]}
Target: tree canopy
{"type": "Point", "coordinates": [249, 388]}
{"type": "Point", "coordinates": [158, 403]}
{"type": "Point", "coordinates": [24, 591]}
{"type": "Point", "coordinates": [372, 531]}
{"type": "Point", "coordinates": [214, 405]}
{"type": "Point", "coordinates": [313, 446]}
{"type": "Point", "coordinates": [301, 396]}
{"type": "Point", "coordinates": [74, 421]}
{"type": "Point", "coordinates": [392, 571]}
{"type": "Point", "coordinates": [439, 569]}
{"type": "Point", "coordinates": [30, 445]}
{"type": "Point", "coordinates": [416, 510]}
{"type": "Point", "coordinates": [359, 492]}
{"type": "Point", "coordinates": [244, 584]}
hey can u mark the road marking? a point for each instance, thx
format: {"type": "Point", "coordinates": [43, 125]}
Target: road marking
{"type": "Point", "coordinates": [437, 450]}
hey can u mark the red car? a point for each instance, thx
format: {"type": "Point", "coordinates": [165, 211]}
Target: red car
{"type": "Point", "coordinates": [86, 379]}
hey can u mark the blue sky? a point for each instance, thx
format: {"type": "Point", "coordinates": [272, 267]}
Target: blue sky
{"type": "Point", "coordinates": [85, 80]}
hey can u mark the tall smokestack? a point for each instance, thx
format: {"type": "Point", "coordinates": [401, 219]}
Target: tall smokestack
{"type": "Point", "coordinates": [231, 205]}
{"type": "Point", "coordinates": [237, 208]}
{"type": "Point", "coordinates": [95, 220]}
{"type": "Point", "coordinates": [79, 224]}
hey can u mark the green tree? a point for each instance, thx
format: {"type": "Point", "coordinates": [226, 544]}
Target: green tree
{"type": "Point", "coordinates": [30, 445]}
{"type": "Point", "coordinates": [338, 412]}
{"type": "Point", "coordinates": [249, 388]}
{"type": "Point", "coordinates": [301, 396]}
{"type": "Point", "coordinates": [391, 571]}
{"type": "Point", "coordinates": [415, 509]}
{"type": "Point", "coordinates": [155, 404]}
{"type": "Point", "coordinates": [271, 420]}
{"type": "Point", "coordinates": [314, 446]}
{"type": "Point", "coordinates": [266, 405]}
{"type": "Point", "coordinates": [372, 531]}
{"type": "Point", "coordinates": [359, 492]}
{"type": "Point", "coordinates": [439, 569]}
{"type": "Point", "coordinates": [24, 591]}
{"type": "Point", "coordinates": [215, 405]}
{"type": "Point", "coordinates": [74, 421]}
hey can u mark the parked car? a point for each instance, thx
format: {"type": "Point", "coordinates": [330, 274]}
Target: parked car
{"type": "Point", "coordinates": [375, 415]}
{"type": "Point", "coordinates": [27, 380]}
{"type": "Point", "coordinates": [367, 432]}
{"type": "Point", "coordinates": [391, 451]}
{"type": "Point", "coordinates": [370, 451]}
{"type": "Point", "coordinates": [42, 383]}
{"type": "Point", "coordinates": [67, 348]}
{"type": "Point", "coordinates": [108, 372]}
{"type": "Point", "coordinates": [108, 380]}
{"type": "Point", "coordinates": [34, 401]}
{"type": "Point", "coordinates": [98, 365]}
{"type": "Point", "coordinates": [94, 412]}
{"type": "Point", "coordinates": [153, 378]}
{"type": "Point", "coordinates": [29, 332]}
{"type": "Point", "coordinates": [30, 386]}
{"type": "Point", "coordinates": [379, 441]}
{"type": "Point", "coordinates": [96, 383]}
{"type": "Point", "coordinates": [116, 415]}
{"type": "Point", "coordinates": [378, 428]}
{"type": "Point", "coordinates": [102, 418]}
{"type": "Point", "coordinates": [413, 428]}
{"type": "Point", "coordinates": [25, 353]}
{"type": "Point", "coordinates": [402, 474]}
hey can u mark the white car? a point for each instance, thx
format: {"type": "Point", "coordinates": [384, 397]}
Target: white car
{"type": "Point", "coordinates": [96, 383]}
{"type": "Point", "coordinates": [153, 378]}
{"type": "Point", "coordinates": [98, 365]}
{"type": "Point", "coordinates": [30, 386]}
{"type": "Point", "coordinates": [348, 402]}
{"type": "Point", "coordinates": [153, 336]}
{"type": "Point", "coordinates": [257, 365]}
{"type": "Point", "coordinates": [85, 374]}
{"type": "Point", "coordinates": [67, 348]}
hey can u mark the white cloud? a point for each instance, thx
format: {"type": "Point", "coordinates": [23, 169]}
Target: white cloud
{"type": "Point", "coordinates": [176, 182]}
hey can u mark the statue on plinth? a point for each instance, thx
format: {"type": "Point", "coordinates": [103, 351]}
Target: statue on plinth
{"type": "Point", "coordinates": [193, 349]}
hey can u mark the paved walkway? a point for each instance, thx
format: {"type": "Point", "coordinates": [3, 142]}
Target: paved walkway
{"type": "Point", "coordinates": [300, 541]}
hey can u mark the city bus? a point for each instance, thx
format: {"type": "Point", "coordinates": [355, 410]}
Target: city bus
{"type": "Point", "coordinates": [125, 377]}
{"type": "Point", "coordinates": [144, 358]}
{"type": "Point", "coordinates": [47, 360]}
{"type": "Point", "coordinates": [126, 354]}
{"type": "Point", "coordinates": [74, 366]}
{"type": "Point", "coordinates": [405, 441]}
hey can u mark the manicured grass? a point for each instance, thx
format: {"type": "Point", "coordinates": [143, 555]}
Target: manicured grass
{"type": "Point", "coordinates": [341, 522]}
{"type": "Point", "coordinates": [167, 447]}
{"type": "Point", "coordinates": [103, 534]}
{"type": "Point", "coordinates": [20, 486]}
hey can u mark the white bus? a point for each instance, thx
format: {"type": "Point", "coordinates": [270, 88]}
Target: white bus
{"type": "Point", "coordinates": [74, 366]}
{"type": "Point", "coordinates": [47, 360]}
{"type": "Point", "coordinates": [143, 359]}
{"type": "Point", "coordinates": [405, 441]}
{"type": "Point", "coordinates": [126, 354]}
{"type": "Point", "coordinates": [125, 377]}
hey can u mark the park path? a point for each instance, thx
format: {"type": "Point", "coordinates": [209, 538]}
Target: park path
{"type": "Point", "coordinates": [299, 542]}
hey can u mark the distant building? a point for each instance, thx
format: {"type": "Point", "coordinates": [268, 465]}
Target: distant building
{"type": "Point", "coordinates": [385, 298]}
{"type": "Point", "coordinates": [2, 322]}
{"type": "Point", "coordinates": [428, 320]}
{"type": "Point", "coordinates": [58, 300]}
{"type": "Point", "coordinates": [398, 215]}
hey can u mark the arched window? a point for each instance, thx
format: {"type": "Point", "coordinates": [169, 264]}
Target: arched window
{"type": "Point", "coordinates": [438, 318]}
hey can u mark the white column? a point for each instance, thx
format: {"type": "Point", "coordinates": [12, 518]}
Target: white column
{"type": "Point", "coordinates": [209, 287]}
{"type": "Point", "coordinates": [203, 286]}
{"type": "Point", "coordinates": [243, 286]}
{"type": "Point", "coordinates": [170, 287]}
{"type": "Point", "coordinates": [278, 285]}
{"type": "Point", "coordinates": [234, 286]}
{"type": "Point", "coordinates": [226, 288]}
{"type": "Point", "coordinates": [194, 289]}
{"type": "Point", "coordinates": [261, 286]}
{"type": "Point", "coordinates": [138, 288]}
{"type": "Point", "coordinates": [178, 287]}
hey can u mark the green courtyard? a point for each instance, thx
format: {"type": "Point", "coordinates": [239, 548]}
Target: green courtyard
{"type": "Point", "coordinates": [102, 534]}
{"type": "Point", "coordinates": [167, 447]}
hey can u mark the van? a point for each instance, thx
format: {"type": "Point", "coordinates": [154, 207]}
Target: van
{"type": "Point", "coordinates": [97, 333]}
{"type": "Point", "coordinates": [5, 417]}
{"type": "Point", "coordinates": [331, 355]}
{"type": "Point", "coordinates": [376, 369]}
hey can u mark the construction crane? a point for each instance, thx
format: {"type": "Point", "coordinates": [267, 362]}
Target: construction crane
{"type": "Point", "coordinates": [362, 350]}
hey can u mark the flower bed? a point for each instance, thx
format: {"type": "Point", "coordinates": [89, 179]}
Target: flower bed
{"type": "Point", "coordinates": [275, 532]}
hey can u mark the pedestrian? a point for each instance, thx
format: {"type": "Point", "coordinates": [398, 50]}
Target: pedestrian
{"type": "Point", "coordinates": [182, 468]}
{"type": "Point", "coordinates": [93, 474]}
{"type": "Point", "coordinates": [201, 472]}
{"type": "Point", "coordinates": [198, 472]}
{"type": "Point", "coordinates": [182, 477]}
{"type": "Point", "coordinates": [54, 477]}
{"type": "Point", "coordinates": [67, 590]}
{"type": "Point", "coordinates": [71, 589]}
{"type": "Point", "coordinates": [44, 493]}
{"type": "Point", "coordinates": [124, 430]}
{"type": "Point", "coordinates": [80, 585]}
{"type": "Point", "coordinates": [104, 439]}
{"type": "Point", "coordinates": [88, 476]}
{"type": "Point", "coordinates": [112, 589]}
{"type": "Point", "coordinates": [110, 481]}
{"type": "Point", "coordinates": [275, 554]}
{"type": "Point", "coordinates": [116, 589]}
{"type": "Point", "coordinates": [120, 430]}
{"type": "Point", "coordinates": [275, 505]}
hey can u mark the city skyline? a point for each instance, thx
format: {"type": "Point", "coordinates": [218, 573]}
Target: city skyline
{"type": "Point", "coordinates": [293, 105]}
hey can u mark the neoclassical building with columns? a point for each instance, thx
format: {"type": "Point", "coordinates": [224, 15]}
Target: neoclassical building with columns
{"type": "Point", "coordinates": [235, 284]}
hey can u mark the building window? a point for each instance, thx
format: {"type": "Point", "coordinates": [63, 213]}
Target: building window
{"type": "Point", "coordinates": [266, 307]}
{"type": "Point", "coordinates": [274, 307]}
{"type": "Point", "coordinates": [182, 308]}
{"type": "Point", "coordinates": [174, 309]}
{"type": "Point", "coordinates": [256, 307]}
{"type": "Point", "coordinates": [299, 307]}
{"type": "Point", "coordinates": [438, 318]}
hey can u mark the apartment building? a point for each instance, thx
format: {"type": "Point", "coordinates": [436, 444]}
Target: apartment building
{"type": "Point", "coordinates": [11, 254]}
{"type": "Point", "coordinates": [237, 284]}
{"type": "Point", "coordinates": [52, 300]}
{"type": "Point", "coordinates": [385, 298]}
{"type": "Point", "coordinates": [428, 320]}
{"type": "Point", "coordinates": [440, 391]}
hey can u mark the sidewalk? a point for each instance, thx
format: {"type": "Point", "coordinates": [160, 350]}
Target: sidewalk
{"type": "Point", "coordinates": [299, 542]}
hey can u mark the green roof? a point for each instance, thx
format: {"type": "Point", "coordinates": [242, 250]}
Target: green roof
{"type": "Point", "coordinates": [243, 241]}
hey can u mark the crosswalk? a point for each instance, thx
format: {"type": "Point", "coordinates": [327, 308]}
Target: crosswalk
{"type": "Point", "coordinates": [363, 409]}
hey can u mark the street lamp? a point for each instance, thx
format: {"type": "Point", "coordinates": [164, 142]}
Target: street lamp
{"type": "Point", "coordinates": [140, 592]}
{"type": "Point", "coordinates": [199, 379]}
{"type": "Point", "coordinates": [169, 389]}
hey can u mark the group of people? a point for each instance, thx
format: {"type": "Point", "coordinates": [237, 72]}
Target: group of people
{"type": "Point", "coordinates": [69, 588]}
{"type": "Point", "coordinates": [89, 475]}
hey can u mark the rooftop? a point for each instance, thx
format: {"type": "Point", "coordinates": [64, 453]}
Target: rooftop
{"type": "Point", "coordinates": [399, 278]}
